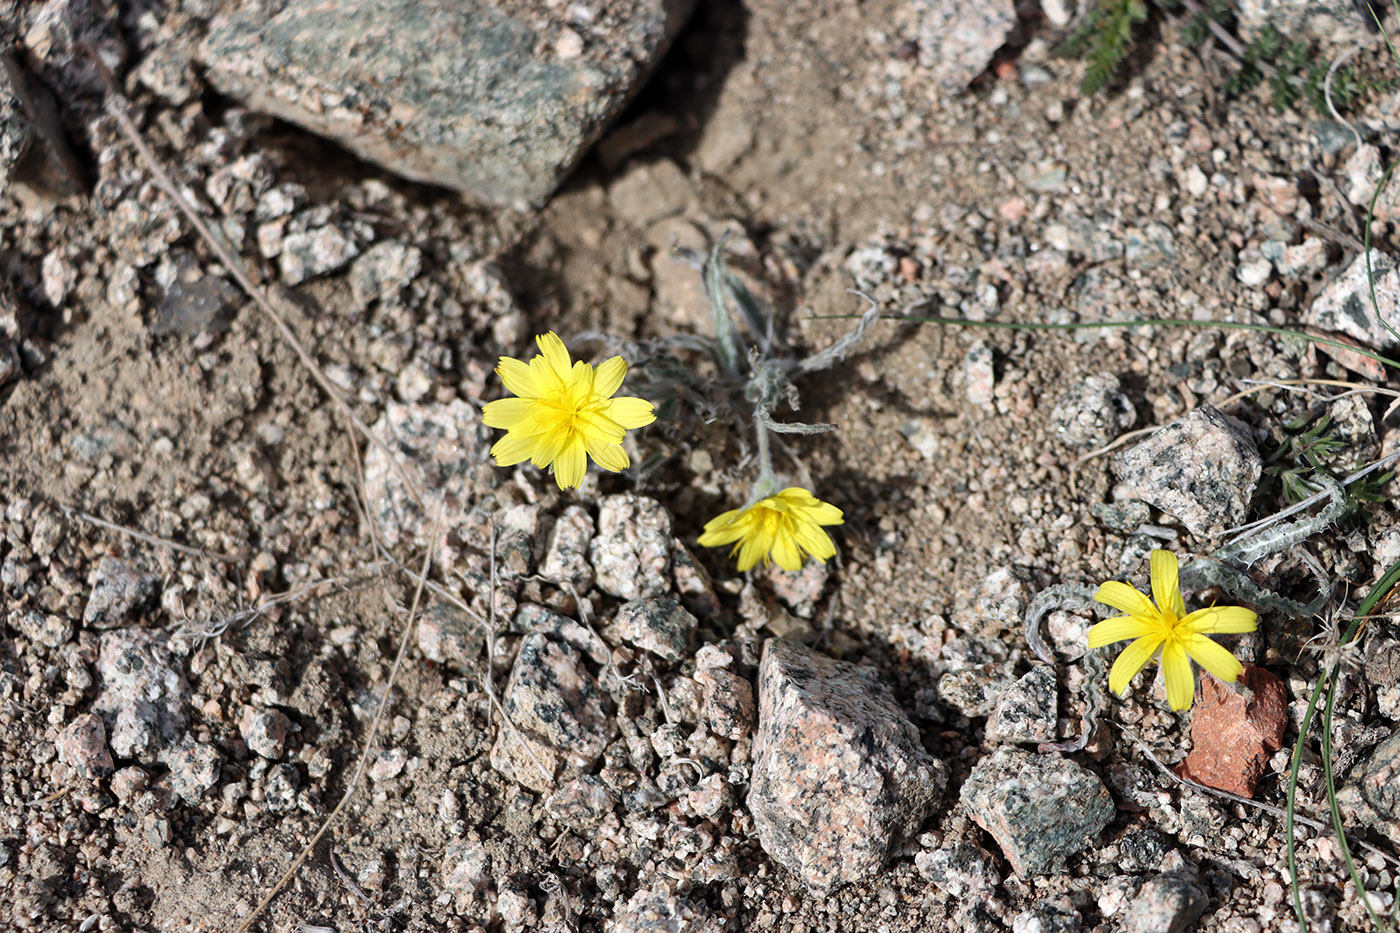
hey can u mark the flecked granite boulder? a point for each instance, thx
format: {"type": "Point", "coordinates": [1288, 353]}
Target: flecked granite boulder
{"type": "Point", "coordinates": [840, 779]}
{"type": "Point", "coordinates": [1200, 469]}
{"type": "Point", "coordinates": [1039, 808]}
{"type": "Point", "coordinates": [495, 100]}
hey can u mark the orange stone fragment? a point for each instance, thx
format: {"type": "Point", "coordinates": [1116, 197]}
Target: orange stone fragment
{"type": "Point", "coordinates": [1232, 738]}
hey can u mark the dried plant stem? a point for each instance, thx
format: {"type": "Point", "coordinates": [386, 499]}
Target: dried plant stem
{"type": "Point", "coordinates": [116, 105]}
{"type": "Point", "coordinates": [1237, 798]}
{"type": "Point", "coordinates": [213, 556]}
{"type": "Point", "coordinates": [369, 739]}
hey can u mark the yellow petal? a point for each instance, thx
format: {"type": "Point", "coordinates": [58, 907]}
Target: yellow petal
{"type": "Point", "coordinates": [599, 428]}
{"type": "Point", "coordinates": [1165, 588]}
{"type": "Point", "coordinates": [1119, 628]}
{"type": "Point", "coordinates": [571, 465]}
{"type": "Point", "coordinates": [608, 378]}
{"type": "Point", "coordinates": [518, 378]}
{"type": "Point", "coordinates": [802, 503]}
{"type": "Point", "coordinates": [1131, 661]}
{"type": "Point", "coordinates": [1125, 598]}
{"type": "Point", "coordinates": [581, 380]}
{"type": "Point", "coordinates": [751, 548]}
{"type": "Point", "coordinates": [814, 541]}
{"type": "Point", "coordinates": [548, 447]}
{"type": "Point", "coordinates": [631, 412]}
{"type": "Point", "coordinates": [722, 530]}
{"type": "Point", "coordinates": [609, 456]}
{"type": "Point", "coordinates": [512, 449]}
{"type": "Point", "coordinates": [1176, 671]}
{"type": "Point", "coordinates": [507, 412]}
{"type": "Point", "coordinates": [785, 551]}
{"type": "Point", "coordinates": [555, 354]}
{"type": "Point", "coordinates": [544, 375]}
{"type": "Point", "coordinates": [1213, 657]}
{"type": "Point", "coordinates": [1221, 620]}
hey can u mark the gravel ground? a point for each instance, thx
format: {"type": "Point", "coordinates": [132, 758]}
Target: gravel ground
{"type": "Point", "coordinates": [207, 569]}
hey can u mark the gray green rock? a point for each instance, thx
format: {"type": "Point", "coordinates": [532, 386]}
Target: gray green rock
{"type": "Point", "coordinates": [496, 103]}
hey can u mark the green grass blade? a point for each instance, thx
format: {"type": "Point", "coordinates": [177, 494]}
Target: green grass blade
{"type": "Point", "coordinates": [1373, 598]}
{"type": "Point", "coordinates": [1142, 322]}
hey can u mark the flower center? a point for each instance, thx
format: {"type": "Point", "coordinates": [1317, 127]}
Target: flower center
{"type": "Point", "coordinates": [1169, 624]}
{"type": "Point", "coordinates": [772, 519]}
{"type": "Point", "coordinates": [568, 405]}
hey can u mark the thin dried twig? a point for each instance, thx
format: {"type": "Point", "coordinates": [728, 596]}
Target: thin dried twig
{"type": "Point", "coordinates": [489, 679]}
{"type": "Point", "coordinates": [150, 538]}
{"type": "Point", "coordinates": [1236, 798]}
{"type": "Point", "coordinates": [116, 105]}
{"type": "Point", "coordinates": [369, 738]}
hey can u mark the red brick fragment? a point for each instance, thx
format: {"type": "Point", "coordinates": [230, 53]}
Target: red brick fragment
{"type": "Point", "coordinates": [1232, 737]}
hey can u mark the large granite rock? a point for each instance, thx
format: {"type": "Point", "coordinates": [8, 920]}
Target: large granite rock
{"type": "Point", "coordinates": [497, 101]}
{"type": "Point", "coordinates": [840, 778]}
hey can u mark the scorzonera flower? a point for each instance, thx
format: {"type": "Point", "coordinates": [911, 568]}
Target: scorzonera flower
{"type": "Point", "coordinates": [1181, 637]}
{"type": "Point", "coordinates": [782, 527]}
{"type": "Point", "coordinates": [565, 413]}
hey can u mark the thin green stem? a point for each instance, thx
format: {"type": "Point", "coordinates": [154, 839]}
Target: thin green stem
{"type": "Point", "coordinates": [767, 482]}
{"type": "Point", "coordinates": [1373, 598]}
{"type": "Point", "coordinates": [1329, 707]}
{"type": "Point", "coordinates": [1156, 322]}
{"type": "Point", "coordinates": [1366, 241]}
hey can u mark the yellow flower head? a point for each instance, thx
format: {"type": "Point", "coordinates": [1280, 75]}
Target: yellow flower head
{"type": "Point", "coordinates": [564, 411]}
{"type": "Point", "coordinates": [1166, 625]}
{"type": "Point", "coordinates": [780, 527]}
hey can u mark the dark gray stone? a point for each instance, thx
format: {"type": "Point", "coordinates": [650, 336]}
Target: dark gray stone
{"type": "Point", "coordinates": [1344, 304]}
{"type": "Point", "coordinates": [1026, 710]}
{"type": "Point", "coordinates": [33, 147]}
{"type": "Point", "coordinates": [1201, 469]}
{"type": "Point", "coordinates": [1372, 795]}
{"type": "Point", "coordinates": [1039, 808]}
{"type": "Point", "coordinates": [1168, 903]}
{"type": "Point", "coordinates": [461, 95]}
{"type": "Point", "coordinates": [142, 695]}
{"type": "Point", "coordinates": [962, 870]}
{"type": "Point", "coordinates": [1141, 850]}
{"type": "Point", "coordinates": [1092, 412]}
{"type": "Point", "coordinates": [447, 635]}
{"type": "Point", "coordinates": [119, 589]}
{"type": "Point", "coordinates": [194, 770]}
{"type": "Point", "coordinates": [559, 716]}
{"type": "Point", "coordinates": [202, 305]}
{"type": "Point", "coordinates": [660, 625]}
{"type": "Point", "coordinates": [1122, 516]}
{"type": "Point", "coordinates": [840, 778]}
{"type": "Point", "coordinates": [83, 744]}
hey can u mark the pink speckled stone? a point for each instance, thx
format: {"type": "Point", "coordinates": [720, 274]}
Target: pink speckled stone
{"type": "Point", "coordinates": [840, 778]}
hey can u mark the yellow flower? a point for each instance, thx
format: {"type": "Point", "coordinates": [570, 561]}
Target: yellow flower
{"type": "Point", "coordinates": [564, 411]}
{"type": "Point", "coordinates": [780, 527]}
{"type": "Point", "coordinates": [1167, 626]}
